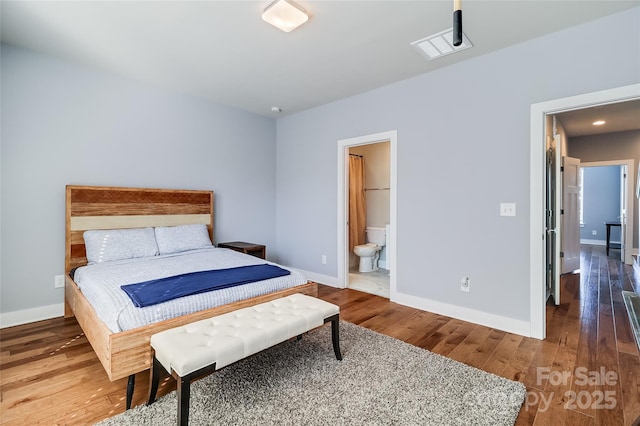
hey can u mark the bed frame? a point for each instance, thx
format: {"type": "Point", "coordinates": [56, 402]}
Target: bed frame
{"type": "Point", "coordinates": [126, 353]}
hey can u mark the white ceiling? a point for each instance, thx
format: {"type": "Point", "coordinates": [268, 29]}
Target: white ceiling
{"type": "Point", "coordinates": [223, 51]}
{"type": "Point", "coordinates": [618, 117]}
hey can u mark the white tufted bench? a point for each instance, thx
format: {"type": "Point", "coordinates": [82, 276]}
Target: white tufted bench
{"type": "Point", "coordinates": [205, 346]}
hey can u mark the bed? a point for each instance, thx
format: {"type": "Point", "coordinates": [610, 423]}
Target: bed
{"type": "Point", "coordinates": [125, 353]}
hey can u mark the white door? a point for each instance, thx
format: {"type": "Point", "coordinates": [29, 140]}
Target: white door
{"type": "Point", "coordinates": [624, 182]}
{"type": "Point", "coordinates": [569, 215]}
{"type": "Point", "coordinates": [552, 223]}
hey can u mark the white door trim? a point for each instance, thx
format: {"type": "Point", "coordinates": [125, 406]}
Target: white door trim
{"type": "Point", "coordinates": [343, 203]}
{"type": "Point", "coordinates": [628, 237]}
{"type": "Point", "coordinates": [537, 190]}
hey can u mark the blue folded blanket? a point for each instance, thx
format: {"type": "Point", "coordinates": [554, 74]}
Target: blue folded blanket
{"type": "Point", "coordinates": [157, 291]}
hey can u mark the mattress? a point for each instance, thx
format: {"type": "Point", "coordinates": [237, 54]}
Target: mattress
{"type": "Point", "coordinates": [100, 283]}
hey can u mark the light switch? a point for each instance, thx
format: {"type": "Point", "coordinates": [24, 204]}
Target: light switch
{"type": "Point", "coordinates": [507, 209]}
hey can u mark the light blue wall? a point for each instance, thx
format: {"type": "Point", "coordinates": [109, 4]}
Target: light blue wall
{"type": "Point", "coordinates": [463, 148]}
{"type": "Point", "coordinates": [65, 124]}
{"type": "Point", "coordinates": [601, 202]}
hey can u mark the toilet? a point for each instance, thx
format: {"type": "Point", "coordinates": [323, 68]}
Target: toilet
{"type": "Point", "coordinates": [370, 252]}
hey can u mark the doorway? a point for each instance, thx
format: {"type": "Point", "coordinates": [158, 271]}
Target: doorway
{"type": "Point", "coordinates": [609, 181]}
{"type": "Point", "coordinates": [345, 258]}
{"type": "Point", "coordinates": [538, 192]}
{"type": "Point", "coordinates": [369, 188]}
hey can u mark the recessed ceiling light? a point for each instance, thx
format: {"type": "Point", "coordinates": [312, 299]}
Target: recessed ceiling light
{"type": "Point", "coordinates": [285, 15]}
{"type": "Point", "coordinates": [276, 109]}
{"type": "Point", "coordinates": [440, 44]}
{"type": "Point", "coordinates": [599, 123]}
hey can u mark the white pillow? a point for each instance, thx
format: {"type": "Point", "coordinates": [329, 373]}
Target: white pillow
{"type": "Point", "coordinates": [174, 239]}
{"type": "Point", "coordinates": [106, 245]}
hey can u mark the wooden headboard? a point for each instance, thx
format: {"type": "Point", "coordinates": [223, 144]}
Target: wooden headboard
{"type": "Point", "coordinates": [107, 207]}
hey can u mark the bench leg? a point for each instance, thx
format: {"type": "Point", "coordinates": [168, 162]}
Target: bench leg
{"type": "Point", "coordinates": [184, 390]}
{"type": "Point", "coordinates": [184, 393]}
{"type": "Point", "coordinates": [154, 380]}
{"type": "Point", "coordinates": [335, 334]}
{"type": "Point", "coordinates": [130, 386]}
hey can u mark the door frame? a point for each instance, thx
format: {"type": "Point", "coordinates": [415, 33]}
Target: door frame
{"type": "Point", "coordinates": [537, 189]}
{"type": "Point", "coordinates": [343, 203]}
{"type": "Point", "coordinates": [628, 237]}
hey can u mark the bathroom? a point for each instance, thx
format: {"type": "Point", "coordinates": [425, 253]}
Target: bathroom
{"type": "Point", "coordinates": [369, 216]}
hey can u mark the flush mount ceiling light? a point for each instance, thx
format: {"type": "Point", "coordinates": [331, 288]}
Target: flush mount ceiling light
{"type": "Point", "coordinates": [285, 15]}
{"type": "Point", "coordinates": [440, 44]}
{"type": "Point", "coordinates": [598, 123]}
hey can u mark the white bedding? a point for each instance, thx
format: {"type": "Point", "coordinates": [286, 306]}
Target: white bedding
{"type": "Point", "coordinates": [100, 283]}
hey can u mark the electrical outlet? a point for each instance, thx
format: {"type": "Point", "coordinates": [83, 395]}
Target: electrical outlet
{"type": "Point", "coordinates": [465, 284]}
{"type": "Point", "coordinates": [58, 281]}
{"type": "Point", "coordinates": [507, 209]}
{"type": "Point", "coordinates": [324, 259]}
{"type": "Point", "coordinates": [594, 232]}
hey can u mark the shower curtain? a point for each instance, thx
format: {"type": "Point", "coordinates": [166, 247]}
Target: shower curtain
{"type": "Point", "coordinates": [357, 204]}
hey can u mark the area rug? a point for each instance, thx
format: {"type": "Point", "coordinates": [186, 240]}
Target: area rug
{"type": "Point", "coordinates": [380, 381]}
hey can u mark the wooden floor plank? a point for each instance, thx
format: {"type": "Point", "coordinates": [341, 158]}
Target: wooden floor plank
{"type": "Point", "coordinates": [588, 337]}
{"type": "Point", "coordinates": [518, 366]}
{"type": "Point", "coordinates": [630, 387]}
{"type": "Point", "coordinates": [50, 375]}
{"type": "Point", "coordinates": [607, 411]}
{"type": "Point", "coordinates": [485, 350]}
{"type": "Point", "coordinates": [447, 337]}
{"type": "Point", "coordinates": [470, 343]}
{"type": "Point", "coordinates": [625, 340]}
{"type": "Point", "coordinates": [500, 358]}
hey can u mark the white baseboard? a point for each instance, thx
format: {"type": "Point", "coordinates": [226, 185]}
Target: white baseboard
{"type": "Point", "coordinates": [598, 242]}
{"type": "Point", "coordinates": [510, 325]}
{"type": "Point", "coordinates": [320, 278]}
{"type": "Point", "coordinates": [593, 242]}
{"type": "Point", "coordinates": [9, 319]}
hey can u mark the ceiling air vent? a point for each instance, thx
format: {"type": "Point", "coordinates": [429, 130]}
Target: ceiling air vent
{"type": "Point", "coordinates": [440, 44]}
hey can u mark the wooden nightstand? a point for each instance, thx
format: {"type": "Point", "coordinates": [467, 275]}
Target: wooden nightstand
{"type": "Point", "coordinates": [257, 250]}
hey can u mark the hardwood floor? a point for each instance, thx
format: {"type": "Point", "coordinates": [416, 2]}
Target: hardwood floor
{"type": "Point", "coordinates": [50, 375]}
